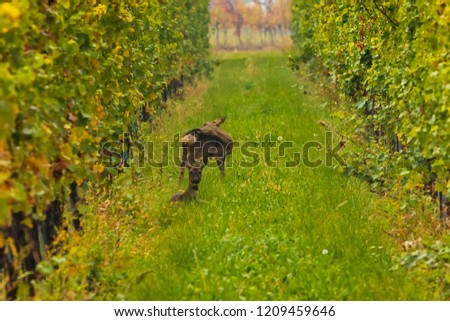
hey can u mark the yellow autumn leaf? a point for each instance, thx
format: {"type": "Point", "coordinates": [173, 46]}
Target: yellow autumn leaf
{"type": "Point", "coordinates": [28, 222]}
{"type": "Point", "coordinates": [46, 129]}
{"type": "Point", "coordinates": [116, 50]}
{"type": "Point", "coordinates": [66, 151]}
{"type": "Point", "coordinates": [9, 17]}
{"type": "Point", "coordinates": [98, 168]}
{"type": "Point", "coordinates": [65, 3]}
{"type": "Point", "coordinates": [12, 247]}
{"type": "Point", "coordinates": [100, 10]}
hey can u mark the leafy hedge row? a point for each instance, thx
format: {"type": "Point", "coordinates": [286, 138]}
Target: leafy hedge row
{"type": "Point", "coordinates": [391, 60]}
{"type": "Point", "coordinates": [75, 73]}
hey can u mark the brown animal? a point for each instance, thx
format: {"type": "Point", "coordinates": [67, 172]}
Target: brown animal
{"type": "Point", "coordinates": [200, 144]}
{"type": "Point", "coordinates": [195, 176]}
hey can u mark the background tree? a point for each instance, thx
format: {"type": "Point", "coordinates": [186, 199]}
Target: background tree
{"type": "Point", "coordinates": [260, 18]}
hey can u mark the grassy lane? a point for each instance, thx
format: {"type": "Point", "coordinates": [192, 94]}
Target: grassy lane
{"type": "Point", "coordinates": [258, 233]}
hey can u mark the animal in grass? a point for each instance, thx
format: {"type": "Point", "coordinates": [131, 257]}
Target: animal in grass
{"type": "Point", "coordinates": [195, 176]}
{"type": "Point", "coordinates": [202, 143]}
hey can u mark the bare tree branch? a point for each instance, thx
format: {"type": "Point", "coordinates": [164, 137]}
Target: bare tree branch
{"type": "Point", "coordinates": [383, 11]}
{"type": "Point", "coordinates": [365, 8]}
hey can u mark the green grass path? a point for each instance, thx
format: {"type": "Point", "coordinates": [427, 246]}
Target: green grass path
{"type": "Point", "coordinates": [264, 232]}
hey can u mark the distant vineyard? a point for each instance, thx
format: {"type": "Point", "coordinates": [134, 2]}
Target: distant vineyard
{"type": "Point", "coordinates": [73, 75]}
{"type": "Point", "coordinates": [391, 61]}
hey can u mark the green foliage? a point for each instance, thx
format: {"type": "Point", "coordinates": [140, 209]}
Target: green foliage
{"type": "Point", "coordinates": [75, 74]}
{"type": "Point", "coordinates": [260, 233]}
{"type": "Point", "coordinates": [391, 61]}
{"type": "Point", "coordinates": [433, 257]}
